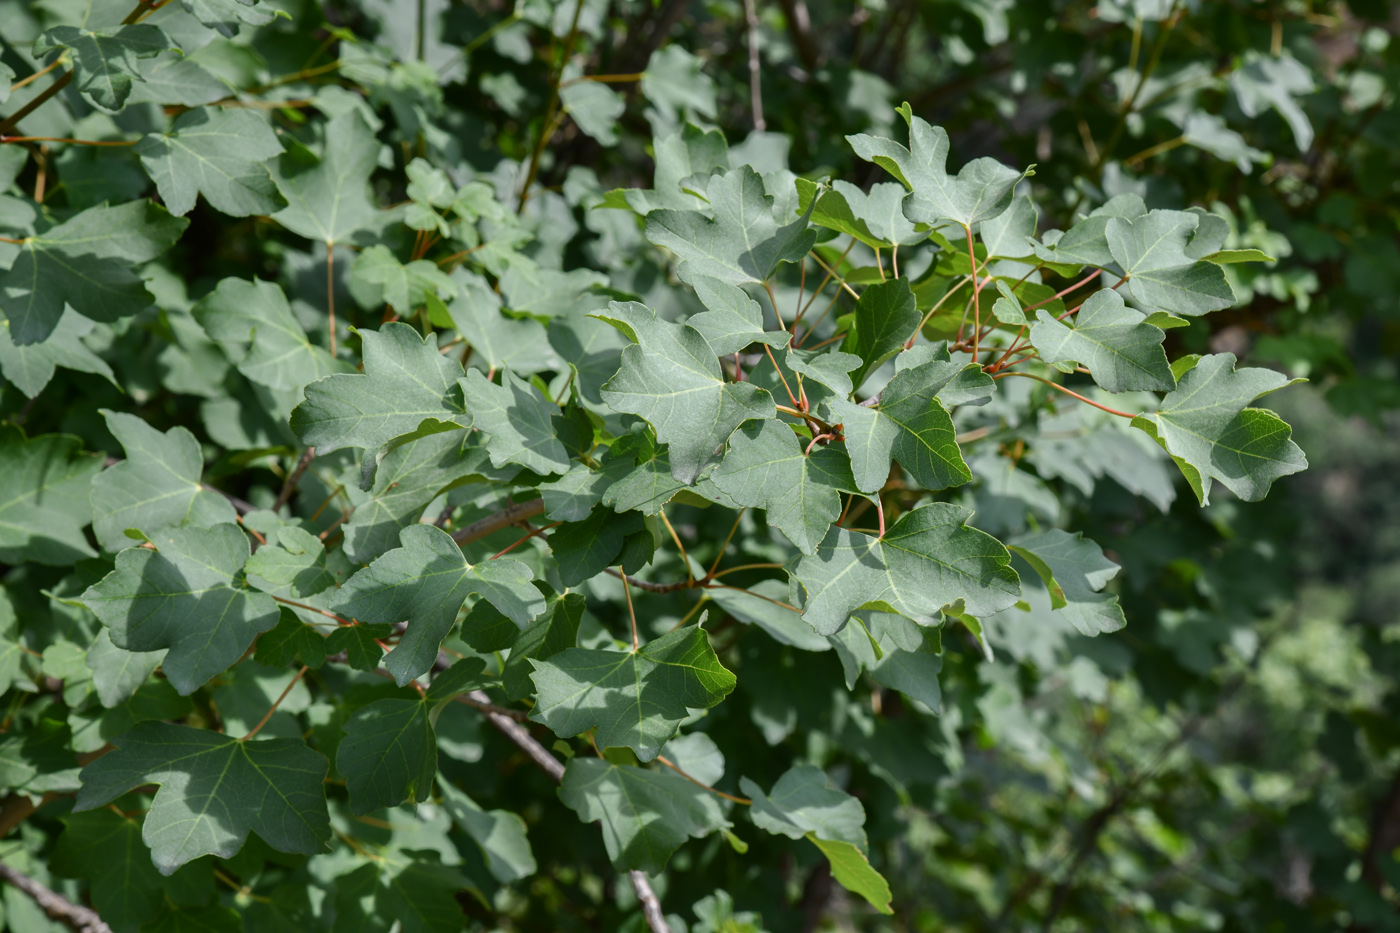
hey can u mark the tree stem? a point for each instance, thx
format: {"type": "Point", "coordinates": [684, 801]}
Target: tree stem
{"type": "Point", "coordinates": [1056, 385]}
{"type": "Point", "coordinates": [13, 119]}
{"type": "Point", "coordinates": [294, 477]}
{"type": "Point", "coordinates": [276, 703]}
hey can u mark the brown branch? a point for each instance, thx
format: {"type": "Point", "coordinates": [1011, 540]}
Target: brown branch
{"type": "Point", "coordinates": [75, 916]}
{"type": "Point", "coordinates": [799, 24]}
{"type": "Point", "coordinates": [513, 514]}
{"type": "Point", "coordinates": [549, 123]}
{"type": "Point", "coordinates": [17, 808]}
{"type": "Point", "coordinates": [521, 737]}
{"type": "Point", "coordinates": [13, 119]}
{"type": "Point", "coordinates": [294, 477]}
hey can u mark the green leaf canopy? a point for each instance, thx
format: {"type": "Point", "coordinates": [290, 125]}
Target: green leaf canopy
{"type": "Point", "coordinates": [219, 154]}
{"type": "Point", "coordinates": [742, 243]}
{"type": "Point", "coordinates": [157, 486]}
{"type": "Point", "coordinates": [85, 263]}
{"type": "Point", "coordinates": [801, 492]}
{"type": "Point", "coordinates": [672, 378]}
{"type": "Point", "coordinates": [910, 425]}
{"type": "Point", "coordinates": [646, 815]}
{"type": "Point", "coordinates": [1152, 252]}
{"type": "Point", "coordinates": [214, 790]}
{"type": "Point", "coordinates": [518, 418]}
{"type": "Point", "coordinates": [258, 332]}
{"type": "Point", "coordinates": [187, 595]}
{"type": "Point", "coordinates": [633, 698]}
{"type": "Point", "coordinates": [805, 801]}
{"type": "Point", "coordinates": [328, 197]}
{"type": "Point", "coordinates": [424, 582]}
{"type": "Point", "coordinates": [405, 382]}
{"type": "Point", "coordinates": [980, 191]}
{"type": "Point", "coordinates": [1074, 570]}
{"type": "Point", "coordinates": [43, 497]}
{"type": "Point", "coordinates": [389, 754]}
{"type": "Point", "coordinates": [928, 559]}
{"type": "Point", "coordinates": [1121, 350]}
{"type": "Point", "coordinates": [1210, 432]}
{"type": "Point", "coordinates": [106, 60]}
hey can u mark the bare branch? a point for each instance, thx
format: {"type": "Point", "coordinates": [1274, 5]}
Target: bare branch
{"type": "Point", "coordinates": [651, 905]}
{"type": "Point", "coordinates": [75, 916]}
{"type": "Point", "coordinates": [519, 735]}
{"type": "Point", "coordinates": [513, 514]}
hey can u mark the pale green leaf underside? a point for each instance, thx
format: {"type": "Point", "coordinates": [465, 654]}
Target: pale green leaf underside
{"type": "Point", "coordinates": [219, 154]}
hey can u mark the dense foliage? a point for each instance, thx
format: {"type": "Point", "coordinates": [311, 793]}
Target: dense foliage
{"type": "Point", "coordinates": [721, 466]}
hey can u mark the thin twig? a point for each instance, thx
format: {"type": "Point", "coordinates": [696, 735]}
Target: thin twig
{"type": "Point", "coordinates": [631, 613]}
{"type": "Point", "coordinates": [821, 262]}
{"type": "Point", "coordinates": [727, 538]}
{"type": "Point", "coordinates": [606, 79]}
{"type": "Point", "coordinates": [934, 310]}
{"type": "Point", "coordinates": [685, 558]}
{"type": "Point", "coordinates": [273, 708]}
{"type": "Point", "coordinates": [551, 111]}
{"type": "Point", "coordinates": [792, 398]}
{"type": "Point", "coordinates": [340, 620]}
{"type": "Point", "coordinates": [470, 700]}
{"type": "Point", "coordinates": [698, 783]}
{"type": "Point", "coordinates": [294, 477]}
{"type": "Point", "coordinates": [654, 587]}
{"type": "Point", "coordinates": [38, 74]}
{"type": "Point", "coordinates": [976, 309]}
{"type": "Point", "coordinates": [1060, 294]}
{"type": "Point", "coordinates": [1056, 385]}
{"type": "Point", "coordinates": [728, 570]}
{"type": "Point", "coordinates": [533, 533]}
{"type": "Point", "coordinates": [13, 119]}
{"type": "Point", "coordinates": [521, 737]}
{"type": "Point", "coordinates": [65, 139]}
{"type": "Point", "coordinates": [513, 514]}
